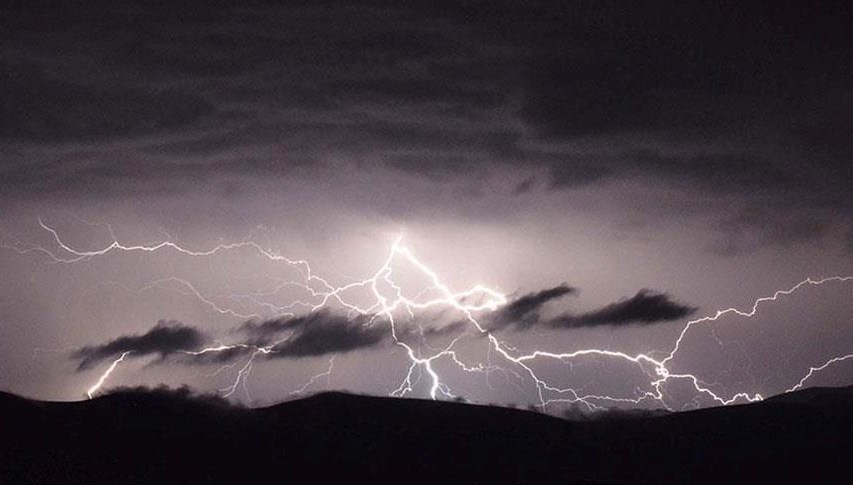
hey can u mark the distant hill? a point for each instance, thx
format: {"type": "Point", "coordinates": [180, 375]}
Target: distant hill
{"type": "Point", "coordinates": [161, 437]}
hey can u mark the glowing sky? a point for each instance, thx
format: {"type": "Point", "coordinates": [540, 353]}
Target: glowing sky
{"type": "Point", "coordinates": [613, 171]}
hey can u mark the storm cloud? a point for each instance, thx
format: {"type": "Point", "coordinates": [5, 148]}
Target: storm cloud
{"type": "Point", "coordinates": [310, 335]}
{"type": "Point", "coordinates": [666, 145]}
{"type": "Point", "coordinates": [164, 339]}
{"type": "Point", "coordinates": [729, 98]}
{"type": "Point", "coordinates": [323, 333]}
{"type": "Point", "coordinates": [523, 312]}
{"type": "Point", "coordinates": [580, 72]}
{"type": "Point", "coordinates": [37, 108]}
{"type": "Point", "coordinates": [314, 334]}
{"type": "Point", "coordinates": [646, 307]}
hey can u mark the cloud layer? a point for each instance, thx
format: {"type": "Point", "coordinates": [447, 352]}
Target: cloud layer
{"type": "Point", "coordinates": [323, 332]}
{"type": "Point", "coordinates": [433, 90]}
{"type": "Point", "coordinates": [737, 100]}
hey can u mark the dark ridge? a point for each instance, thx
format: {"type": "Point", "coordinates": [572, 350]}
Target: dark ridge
{"type": "Point", "coordinates": [162, 436]}
{"type": "Point", "coordinates": [816, 395]}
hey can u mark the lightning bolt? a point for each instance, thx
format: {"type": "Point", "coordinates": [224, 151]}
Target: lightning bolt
{"type": "Point", "coordinates": [316, 377]}
{"type": "Point", "coordinates": [92, 390]}
{"type": "Point", "coordinates": [819, 368]}
{"type": "Point", "coordinates": [386, 305]}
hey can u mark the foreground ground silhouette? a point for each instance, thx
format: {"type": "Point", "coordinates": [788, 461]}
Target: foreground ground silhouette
{"type": "Point", "coordinates": [163, 437]}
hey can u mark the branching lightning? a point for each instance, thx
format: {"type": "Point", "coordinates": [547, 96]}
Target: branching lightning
{"type": "Point", "coordinates": [316, 377]}
{"type": "Point", "coordinates": [388, 301]}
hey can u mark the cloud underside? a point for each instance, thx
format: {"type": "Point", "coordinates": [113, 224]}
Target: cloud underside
{"type": "Point", "coordinates": [318, 333]}
{"type": "Point", "coordinates": [579, 93]}
{"type": "Point", "coordinates": [745, 118]}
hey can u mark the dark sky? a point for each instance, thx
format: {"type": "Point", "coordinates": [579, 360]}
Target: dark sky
{"type": "Point", "coordinates": [614, 168]}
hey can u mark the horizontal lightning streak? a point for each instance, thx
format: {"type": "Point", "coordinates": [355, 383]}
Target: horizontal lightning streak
{"type": "Point", "coordinates": [385, 306]}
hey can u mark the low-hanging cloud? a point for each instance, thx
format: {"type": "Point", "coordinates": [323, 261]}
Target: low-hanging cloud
{"type": "Point", "coordinates": [646, 307]}
{"type": "Point", "coordinates": [311, 335]}
{"type": "Point", "coordinates": [166, 338]}
{"type": "Point", "coordinates": [323, 333]}
{"type": "Point", "coordinates": [523, 312]}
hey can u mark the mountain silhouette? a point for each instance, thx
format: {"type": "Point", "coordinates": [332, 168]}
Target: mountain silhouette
{"type": "Point", "coordinates": [159, 436]}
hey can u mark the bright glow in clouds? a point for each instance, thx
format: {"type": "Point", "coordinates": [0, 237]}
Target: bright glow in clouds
{"type": "Point", "coordinates": [384, 299]}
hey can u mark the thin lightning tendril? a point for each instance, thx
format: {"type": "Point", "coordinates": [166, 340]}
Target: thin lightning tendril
{"type": "Point", "coordinates": [95, 388]}
{"type": "Point", "coordinates": [327, 374]}
{"type": "Point", "coordinates": [385, 307]}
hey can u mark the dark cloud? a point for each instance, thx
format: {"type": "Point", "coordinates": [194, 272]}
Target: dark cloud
{"type": "Point", "coordinates": [266, 331]}
{"type": "Point", "coordinates": [36, 107]}
{"type": "Point", "coordinates": [645, 307]}
{"type": "Point", "coordinates": [314, 334]}
{"type": "Point", "coordinates": [719, 172]}
{"type": "Point", "coordinates": [578, 69]}
{"type": "Point", "coordinates": [523, 312]}
{"type": "Point", "coordinates": [322, 333]}
{"type": "Point", "coordinates": [166, 338]}
{"type": "Point", "coordinates": [732, 98]}
{"type": "Point", "coordinates": [684, 67]}
{"type": "Point", "coordinates": [738, 75]}
{"type": "Point", "coordinates": [574, 98]}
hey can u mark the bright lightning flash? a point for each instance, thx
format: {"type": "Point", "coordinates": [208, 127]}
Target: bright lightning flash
{"type": "Point", "coordinates": [387, 307]}
{"type": "Point", "coordinates": [92, 390]}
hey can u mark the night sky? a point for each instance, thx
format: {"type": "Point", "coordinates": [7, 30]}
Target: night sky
{"type": "Point", "coordinates": [607, 171]}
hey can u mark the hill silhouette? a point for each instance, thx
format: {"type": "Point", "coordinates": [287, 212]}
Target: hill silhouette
{"type": "Point", "coordinates": [137, 436]}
